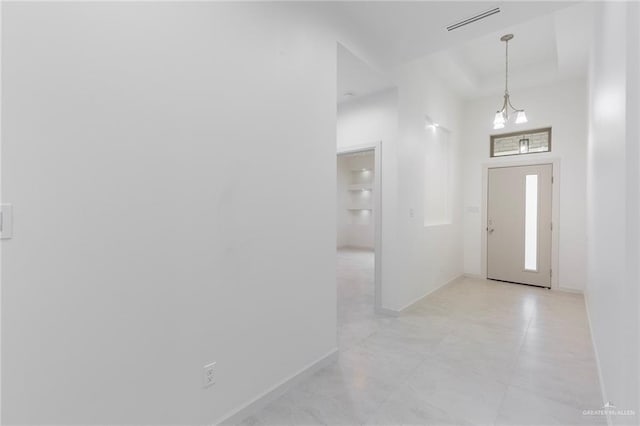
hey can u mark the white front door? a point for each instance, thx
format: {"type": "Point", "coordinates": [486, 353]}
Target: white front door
{"type": "Point", "coordinates": [519, 224]}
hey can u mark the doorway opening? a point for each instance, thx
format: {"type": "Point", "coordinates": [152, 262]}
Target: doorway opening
{"type": "Point", "coordinates": [358, 242]}
{"type": "Point", "coordinates": [519, 224]}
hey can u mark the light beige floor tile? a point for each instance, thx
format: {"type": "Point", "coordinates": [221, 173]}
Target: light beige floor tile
{"type": "Point", "coordinates": [522, 407]}
{"type": "Point", "coordinates": [406, 407]}
{"type": "Point", "coordinates": [473, 352]}
{"type": "Point", "coordinates": [461, 392]}
{"type": "Point", "coordinates": [569, 381]}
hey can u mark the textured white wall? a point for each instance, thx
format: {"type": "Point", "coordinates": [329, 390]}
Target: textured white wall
{"type": "Point", "coordinates": [166, 213]}
{"type": "Point", "coordinates": [612, 197]}
{"type": "Point", "coordinates": [561, 106]}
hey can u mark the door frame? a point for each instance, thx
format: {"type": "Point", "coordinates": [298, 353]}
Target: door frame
{"type": "Point", "coordinates": [376, 147]}
{"type": "Point", "coordinates": [555, 211]}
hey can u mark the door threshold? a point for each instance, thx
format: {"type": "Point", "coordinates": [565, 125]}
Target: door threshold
{"type": "Point", "coordinates": [513, 282]}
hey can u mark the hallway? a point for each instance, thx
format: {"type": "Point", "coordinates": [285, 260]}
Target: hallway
{"type": "Point", "coordinates": [473, 352]}
{"type": "Point", "coordinates": [177, 176]}
{"type": "Point", "coordinates": [356, 317]}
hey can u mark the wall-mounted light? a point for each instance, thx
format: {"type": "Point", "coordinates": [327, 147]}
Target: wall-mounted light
{"type": "Point", "coordinates": [430, 124]}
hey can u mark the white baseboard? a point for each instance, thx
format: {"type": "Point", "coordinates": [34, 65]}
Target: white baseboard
{"type": "Point", "coordinates": [388, 312]}
{"type": "Point", "coordinates": [474, 276]}
{"type": "Point", "coordinates": [595, 351]}
{"type": "Point", "coordinates": [255, 405]}
{"type": "Point", "coordinates": [563, 289]}
{"type": "Point", "coordinates": [568, 290]}
{"type": "Point", "coordinates": [409, 305]}
{"type": "Point", "coordinates": [351, 247]}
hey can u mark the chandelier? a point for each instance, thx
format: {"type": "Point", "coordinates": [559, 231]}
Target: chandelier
{"type": "Point", "coordinates": [502, 115]}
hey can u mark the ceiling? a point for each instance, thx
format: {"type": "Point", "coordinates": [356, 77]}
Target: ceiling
{"type": "Point", "coordinates": [357, 78]}
{"type": "Point", "coordinates": [551, 43]}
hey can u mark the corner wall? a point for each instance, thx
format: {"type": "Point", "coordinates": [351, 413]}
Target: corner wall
{"type": "Point", "coordinates": [613, 199]}
{"type": "Point", "coordinates": [416, 259]}
{"type": "Point", "coordinates": [166, 212]}
{"type": "Point", "coordinates": [427, 256]}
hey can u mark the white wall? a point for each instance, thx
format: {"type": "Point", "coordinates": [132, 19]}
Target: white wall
{"type": "Point", "coordinates": [438, 178]}
{"type": "Point", "coordinates": [612, 197]}
{"type": "Point", "coordinates": [427, 256]}
{"type": "Point", "coordinates": [343, 220]}
{"type": "Point", "coordinates": [561, 106]}
{"type": "Point", "coordinates": [415, 259]}
{"type": "Point", "coordinates": [356, 228]}
{"type": "Point", "coordinates": [148, 150]}
{"type": "Point", "coordinates": [366, 120]}
{"type": "Point", "coordinates": [633, 134]}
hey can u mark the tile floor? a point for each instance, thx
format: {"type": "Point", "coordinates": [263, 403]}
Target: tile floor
{"type": "Point", "coordinates": [474, 352]}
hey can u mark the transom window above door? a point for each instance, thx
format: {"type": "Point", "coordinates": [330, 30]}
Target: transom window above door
{"type": "Point", "coordinates": [518, 143]}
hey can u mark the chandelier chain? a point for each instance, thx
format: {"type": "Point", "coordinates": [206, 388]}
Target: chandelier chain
{"type": "Point", "coordinates": [506, 68]}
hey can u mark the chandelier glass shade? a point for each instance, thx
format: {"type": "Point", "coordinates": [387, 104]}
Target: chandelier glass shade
{"type": "Point", "coordinates": [507, 112]}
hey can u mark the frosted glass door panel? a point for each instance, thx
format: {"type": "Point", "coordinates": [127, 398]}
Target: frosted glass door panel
{"type": "Point", "coordinates": [531, 223]}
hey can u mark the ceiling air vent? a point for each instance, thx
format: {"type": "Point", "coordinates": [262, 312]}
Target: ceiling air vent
{"type": "Point", "coordinates": [473, 18]}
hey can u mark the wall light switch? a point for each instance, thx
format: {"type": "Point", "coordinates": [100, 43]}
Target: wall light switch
{"type": "Point", "coordinates": [6, 221]}
{"type": "Point", "coordinates": [209, 376]}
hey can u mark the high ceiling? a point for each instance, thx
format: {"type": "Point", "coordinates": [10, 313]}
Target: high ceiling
{"type": "Point", "coordinates": [357, 78]}
{"type": "Point", "coordinates": [551, 43]}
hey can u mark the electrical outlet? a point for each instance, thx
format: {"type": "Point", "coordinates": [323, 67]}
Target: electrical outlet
{"type": "Point", "coordinates": [209, 376]}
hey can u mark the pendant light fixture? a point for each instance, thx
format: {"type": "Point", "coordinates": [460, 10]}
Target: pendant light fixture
{"type": "Point", "coordinates": [502, 116]}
